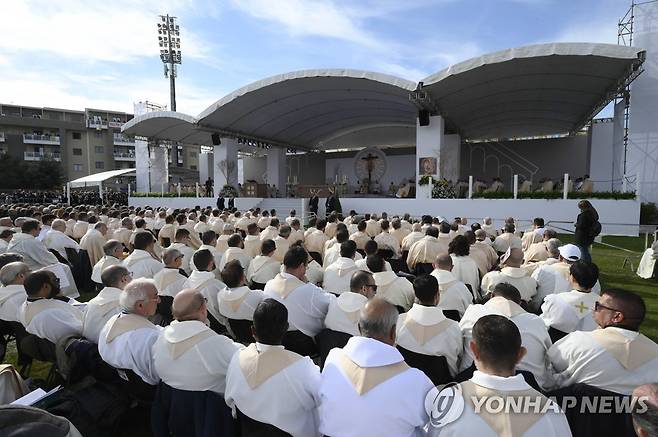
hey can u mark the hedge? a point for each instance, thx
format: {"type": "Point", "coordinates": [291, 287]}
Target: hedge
{"type": "Point", "coordinates": [616, 195]}
{"type": "Point", "coordinates": [159, 194]}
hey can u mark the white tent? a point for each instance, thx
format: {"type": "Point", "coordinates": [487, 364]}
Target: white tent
{"type": "Point", "coordinates": [97, 179]}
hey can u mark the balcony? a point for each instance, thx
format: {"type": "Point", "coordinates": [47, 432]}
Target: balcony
{"type": "Point", "coordinates": [96, 123]}
{"type": "Point", "coordinates": [116, 124]}
{"type": "Point", "coordinates": [122, 156]}
{"type": "Point", "coordinates": [123, 140]}
{"type": "Point", "coordinates": [52, 140]}
{"type": "Point", "coordinates": [39, 156]}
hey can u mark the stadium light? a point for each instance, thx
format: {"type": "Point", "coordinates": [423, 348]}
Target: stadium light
{"type": "Point", "coordinates": [170, 51]}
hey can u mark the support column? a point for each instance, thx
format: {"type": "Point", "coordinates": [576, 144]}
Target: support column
{"type": "Point", "coordinates": [142, 165]}
{"type": "Point", "coordinates": [428, 145]}
{"type": "Point", "coordinates": [205, 167]}
{"type": "Point", "coordinates": [225, 164]}
{"type": "Point", "coordinates": [276, 169]}
{"type": "Point", "coordinates": [159, 168]}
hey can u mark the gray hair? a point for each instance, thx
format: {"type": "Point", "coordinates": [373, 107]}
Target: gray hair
{"type": "Point", "coordinates": [169, 255]}
{"type": "Point", "coordinates": [111, 246]}
{"type": "Point", "coordinates": [379, 326]}
{"type": "Point", "coordinates": [135, 291]}
{"type": "Point", "coordinates": [553, 246]}
{"type": "Point", "coordinates": [487, 220]}
{"type": "Point", "coordinates": [9, 272]}
{"type": "Point", "coordinates": [58, 225]}
{"type": "Point", "coordinates": [126, 221]}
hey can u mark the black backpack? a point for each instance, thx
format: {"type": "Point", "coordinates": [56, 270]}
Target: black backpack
{"type": "Point", "coordinates": [596, 229]}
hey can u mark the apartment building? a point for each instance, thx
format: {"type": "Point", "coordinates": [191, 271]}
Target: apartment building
{"type": "Point", "coordinates": [85, 142]}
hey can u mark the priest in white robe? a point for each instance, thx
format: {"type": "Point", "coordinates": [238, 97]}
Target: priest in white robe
{"type": "Point", "coordinates": [282, 242]}
{"type": "Point", "coordinates": [616, 357]}
{"type": "Point", "coordinates": [507, 239]}
{"type": "Point", "coordinates": [189, 355]}
{"type": "Point", "coordinates": [93, 242]}
{"type": "Point", "coordinates": [343, 312]}
{"type": "Point", "coordinates": [235, 250]}
{"type": "Point", "coordinates": [236, 300]}
{"type": "Point", "coordinates": [56, 239]}
{"type": "Point", "coordinates": [34, 252]}
{"type": "Point", "coordinates": [314, 242]}
{"type": "Point", "coordinates": [307, 304]}
{"type": "Point", "coordinates": [270, 384]}
{"type": "Point", "coordinates": [360, 237]}
{"type": "Point", "coordinates": [141, 262]}
{"type": "Point", "coordinates": [205, 280]}
{"type": "Point", "coordinates": [271, 231]}
{"type": "Point", "coordinates": [414, 236]}
{"type": "Point", "coordinates": [425, 250]}
{"type": "Point", "coordinates": [455, 296]}
{"type": "Point", "coordinates": [497, 348]}
{"type": "Point", "coordinates": [126, 341]}
{"type": "Point", "coordinates": [263, 267]}
{"type": "Point", "coordinates": [12, 292]}
{"type": "Point", "coordinates": [391, 287]}
{"type": "Point", "coordinates": [46, 313]}
{"type": "Point", "coordinates": [183, 244]}
{"type": "Point", "coordinates": [387, 241]}
{"type": "Point", "coordinates": [124, 233]}
{"type": "Point", "coordinates": [399, 232]}
{"type": "Point", "coordinates": [337, 275]}
{"type": "Point", "coordinates": [366, 387]}
{"type": "Point", "coordinates": [253, 240]}
{"type": "Point", "coordinates": [170, 280]}
{"type": "Point", "coordinates": [506, 301]}
{"type": "Point", "coordinates": [222, 240]}
{"type": "Point", "coordinates": [425, 330]}
{"type": "Point", "coordinates": [113, 251]}
{"type": "Point", "coordinates": [511, 273]}
{"type": "Point", "coordinates": [209, 240]}
{"type": "Point", "coordinates": [105, 305]}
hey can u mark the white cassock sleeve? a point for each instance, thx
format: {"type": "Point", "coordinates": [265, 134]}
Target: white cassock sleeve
{"type": "Point", "coordinates": [54, 325]}
{"type": "Point", "coordinates": [41, 256]}
{"type": "Point", "coordinates": [557, 314]}
{"type": "Point", "coordinates": [562, 356]}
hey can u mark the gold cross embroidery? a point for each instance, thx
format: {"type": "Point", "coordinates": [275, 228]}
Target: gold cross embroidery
{"type": "Point", "coordinates": [581, 307]}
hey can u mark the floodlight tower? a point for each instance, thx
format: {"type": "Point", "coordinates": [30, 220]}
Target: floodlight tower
{"type": "Point", "coordinates": [170, 52]}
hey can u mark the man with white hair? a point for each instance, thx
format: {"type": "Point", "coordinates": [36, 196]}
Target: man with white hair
{"type": "Point", "coordinates": [56, 239]}
{"type": "Point", "coordinates": [142, 263]}
{"type": "Point", "coordinates": [366, 387]}
{"type": "Point", "coordinates": [93, 242]}
{"type": "Point", "coordinates": [12, 292]}
{"type": "Point", "coordinates": [46, 313]}
{"type": "Point", "coordinates": [124, 233]}
{"type": "Point", "coordinates": [539, 251]}
{"type": "Point", "coordinates": [126, 341]}
{"type": "Point", "coordinates": [414, 236]}
{"type": "Point", "coordinates": [169, 280]}
{"type": "Point", "coordinates": [549, 280]}
{"type": "Point", "coordinates": [113, 251]}
{"type": "Point", "coordinates": [189, 355]}
{"type": "Point", "coordinates": [488, 227]}
{"type": "Point", "coordinates": [106, 303]}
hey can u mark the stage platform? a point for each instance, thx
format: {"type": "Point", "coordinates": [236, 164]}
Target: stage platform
{"type": "Point", "coordinates": [618, 217]}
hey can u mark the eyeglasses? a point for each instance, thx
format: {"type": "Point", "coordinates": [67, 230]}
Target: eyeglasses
{"type": "Point", "coordinates": [598, 306]}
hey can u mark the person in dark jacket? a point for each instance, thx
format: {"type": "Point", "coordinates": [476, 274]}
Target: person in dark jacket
{"type": "Point", "coordinates": [330, 204]}
{"type": "Point", "coordinates": [586, 229]}
{"type": "Point", "coordinates": [220, 203]}
{"type": "Point", "coordinates": [313, 203]}
{"type": "Point", "coordinates": [231, 202]}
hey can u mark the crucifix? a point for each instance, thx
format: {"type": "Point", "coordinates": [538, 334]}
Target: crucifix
{"type": "Point", "coordinates": [370, 165]}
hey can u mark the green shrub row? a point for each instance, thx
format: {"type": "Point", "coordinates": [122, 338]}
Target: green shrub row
{"type": "Point", "coordinates": [616, 195]}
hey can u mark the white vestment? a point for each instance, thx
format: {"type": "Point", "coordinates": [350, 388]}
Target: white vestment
{"type": "Point", "coordinates": [307, 304]}
{"type": "Point", "coordinates": [282, 245]}
{"type": "Point", "coordinates": [613, 359]}
{"type": "Point", "coordinates": [190, 356]}
{"type": "Point", "coordinates": [123, 235]}
{"type": "Point", "coordinates": [465, 270]}
{"type": "Point", "coordinates": [367, 389]}
{"type": "Point", "coordinates": [59, 241]}
{"type": "Point", "coordinates": [252, 245]}
{"type": "Point", "coordinates": [534, 336]}
{"type": "Point", "coordinates": [570, 311]}
{"type": "Point", "coordinates": [361, 264]}
{"type": "Point", "coordinates": [239, 303]}
{"type": "Point", "coordinates": [51, 319]}
{"type": "Point", "coordinates": [646, 265]}
{"type": "Point", "coordinates": [387, 241]}
{"type": "Point", "coordinates": [93, 242]}
{"type": "Point", "coordinates": [80, 228]}
{"type": "Point", "coordinates": [337, 276]}
{"type": "Point", "coordinates": [425, 330]}
{"type": "Point", "coordinates": [208, 285]}
{"type": "Point", "coordinates": [373, 227]}
{"type": "Point", "coordinates": [101, 265]}
{"type": "Point", "coordinates": [314, 242]}
{"type": "Point", "coordinates": [34, 252]}
{"type": "Point", "coordinates": [169, 282]}
{"type": "Point", "coordinates": [360, 238]}
{"type": "Point", "coordinates": [410, 239]}
{"type": "Point", "coordinates": [454, 295]}
{"type": "Point", "coordinates": [272, 385]}
{"type": "Point", "coordinates": [126, 342]}
{"type": "Point", "coordinates": [262, 269]}
{"type": "Point", "coordinates": [235, 253]}
{"type": "Point", "coordinates": [343, 312]}
{"type": "Point", "coordinates": [515, 276]}
{"type": "Point", "coordinates": [269, 233]}
{"type": "Point", "coordinates": [425, 251]}
{"type": "Point", "coordinates": [549, 281]}
{"type": "Point", "coordinates": [12, 298]}
{"type": "Point", "coordinates": [99, 310]}
{"type": "Point", "coordinates": [505, 241]}
{"type": "Point", "coordinates": [141, 264]}
{"type": "Point", "coordinates": [215, 253]}
{"type": "Point", "coordinates": [514, 391]}
{"type": "Point", "coordinates": [222, 243]}
{"type": "Point", "coordinates": [314, 273]}
{"type": "Point", "coordinates": [396, 290]}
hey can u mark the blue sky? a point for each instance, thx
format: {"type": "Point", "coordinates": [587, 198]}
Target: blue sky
{"type": "Point", "coordinates": [76, 54]}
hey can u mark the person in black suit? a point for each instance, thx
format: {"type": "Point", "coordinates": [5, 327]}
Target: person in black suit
{"type": "Point", "coordinates": [330, 204]}
{"type": "Point", "coordinates": [231, 202]}
{"type": "Point", "coordinates": [313, 203]}
{"type": "Point", "coordinates": [220, 203]}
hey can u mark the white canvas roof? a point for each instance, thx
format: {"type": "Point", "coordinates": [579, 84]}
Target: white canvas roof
{"type": "Point", "coordinates": [99, 178]}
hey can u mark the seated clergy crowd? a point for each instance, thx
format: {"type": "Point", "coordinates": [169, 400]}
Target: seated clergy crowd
{"type": "Point", "coordinates": [341, 328]}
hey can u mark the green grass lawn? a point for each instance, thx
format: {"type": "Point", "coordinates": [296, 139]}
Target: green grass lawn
{"type": "Point", "coordinates": [614, 274]}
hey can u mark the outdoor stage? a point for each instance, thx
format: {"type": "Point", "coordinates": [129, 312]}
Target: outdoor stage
{"type": "Point", "coordinates": [618, 217]}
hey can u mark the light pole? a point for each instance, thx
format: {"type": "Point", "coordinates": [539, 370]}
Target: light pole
{"type": "Point", "coordinates": [170, 52]}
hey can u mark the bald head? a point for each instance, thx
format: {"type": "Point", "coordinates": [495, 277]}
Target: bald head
{"type": "Point", "coordinates": [378, 320]}
{"type": "Point", "coordinates": [59, 225]}
{"type": "Point", "coordinates": [443, 262]}
{"type": "Point", "coordinates": [416, 227]}
{"type": "Point", "coordinates": [515, 258]}
{"type": "Point", "coordinates": [481, 235]}
{"type": "Point", "coordinates": [189, 304]}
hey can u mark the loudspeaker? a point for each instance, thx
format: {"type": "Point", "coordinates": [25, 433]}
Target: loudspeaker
{"type": "Point", "coordinates": [424, 117]}
{"type": "Point", "coordinates": [216, 141]}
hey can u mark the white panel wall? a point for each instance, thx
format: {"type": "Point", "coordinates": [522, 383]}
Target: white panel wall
{"type": "Point", "coordinates": [601, 156]}
{"type": "Point", "coordinates": [398, 168]}
{"type": "Point", "coordinates": [142, 165]}
{"type": "Point", "coordinates": [242, 203]}
{"type": "Point", "coordinates": [451, 157]}
{"type": "Point", "coordinates": [159, 169]}
{"type": "Point", "coordinates": [253, 168]}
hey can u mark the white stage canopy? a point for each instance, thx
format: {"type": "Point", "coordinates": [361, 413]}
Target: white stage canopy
{"type": "Point", "coordinates": [527, 91]}
{"type": "Point", "coordinates": [99, 178]}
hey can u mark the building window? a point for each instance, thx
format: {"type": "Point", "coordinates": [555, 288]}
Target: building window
{"type": "Point", "coordinates": [77, 136]}
{"type": "Point", "coordinates": [100, 165]}
{"type": "Point", "coordinates": [99, 134]}
{"type": "Point", "coordinates": [77, 152]}
{"type": "Point", "coordinates": [77, 167]}
{"type": "Point", "coordinates": [192, 167]}
{"type": "Point", "coordinates": [99, 149]}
